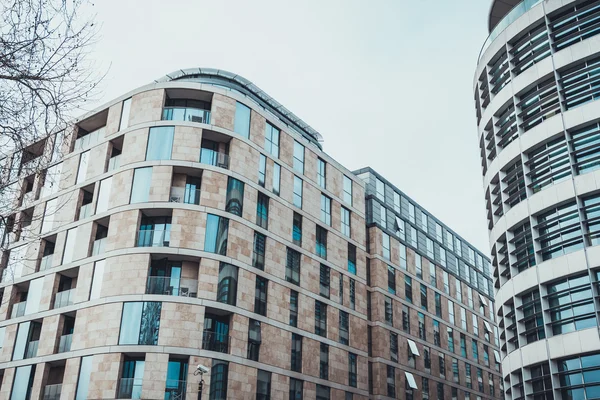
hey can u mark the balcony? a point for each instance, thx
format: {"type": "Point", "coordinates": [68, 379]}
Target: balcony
{"type": "Point", "coordinates": [172, 286]}
{"type": "Point", "coordinates": [129, 388]}
{"type": "Point", "coordinates": [175, 390]}
{"type": "Point", "coordinates": [153, 238]}
{"type": "Point", "coordinates": [114, 163]}
{"type": "Point", "coordinates": [186, 114]}
{"type": "Point", "coordinates": [46, 262]}
{"type": "Point", "coordinates": [64, 343]}
{"type": "Point", "coordinates": [85, 211]}
{"type": "Point", "coordinates": [63, 299]}
{"type": "Point", "coordinates": [98, 247]}
{"type": "Point", "coordinates": [32, 348]}
{"type": "Point", "coordinates": [215, 158]}
{"type": "Point", "coordinates": [18, 309]}
{"type": "Point", "coordinates": [87, 141]}
{"type": "Point", "coordinates": [214, 341]}
{"type": "Point", "coordinates": [52, 392]}
{"type": "Point", "coordinates": [184, 195]}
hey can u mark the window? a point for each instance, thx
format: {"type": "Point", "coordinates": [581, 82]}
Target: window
{"type": "Point", "coordinates": [400, 228]}
{"type": "Point", "coordinates": [424, 221]}
{"type": "Point", "coordinates": [468, 375]}
{"type": "Point", "coordinates": [297, 229]}
{"type": "Point", "coordinates": [429, 244]}
{"type": "Point", "coordinates": [321, 245]}
{"type": "Point", "coordinates": [272, 140]}
{"type": "Point", "coordinates": [297, 192]}
{"type": "Point", "coordinates": [451, 312]}
{"type": "Point", "coordinates": [470, 297]}
{"type": "Point", "coordinates": [262, 211]}
{"type": "Point", "coordinates": [559, 231]}
{"type": "Point", "coordinates": [436, 333]}
{"type": "Point", "coordinates": [408, 288]}
{"type": "Point", "coordinates": [383, 216]}
{"type": "Point", "coordinates": [455, 371]}
{"type": "Point", "coordinates": [83, 381]}
{"type": "Point", "coordinates": [391, 279]}
{"type": "Point", "coordinates": [235, 196]}
{"type": "Point", "coordinates": [276, 178]}
{"type": "Point", "coordinates": [347, 190]}
{"type": "Point", "coordinates": [345, 218]}
{"type": "Point", "coordinates": [323, 392]}
{"type": "Point", "coordinates": [443, 257]}
{"type": "Point", "coordinates": [344, 323]}
{"type": "Point", "coordinates": [475, 324]}
{"type": "Point", "coordinates": [292, 267]}
{"type": "Point", "coordinates": [425, 388]}
{"type": "Point", "coordinates": [438, 304]}
{"type": "Point", "coordinates": [406, 319]}
{"type": "Point", "coordinates": [260, 296]}
{"type": "Point", "coordinates": [442, 366]}
{"type": "Point", "coordinates": [351, 258]}
{"type": "Point", "coordinates": [293, 308]}
{"type": "Point", "coordinates": [296, 353]}
{"type": "Point", "coordinates": [97, 279]}
{"type": "Point", "coordinates": [389, 312]}
{"type": "Point", "coordinates": [423, 297]}
{"type": "Point", "coordinates": [450, 332]}
{"type": "Point", "coordinates": [140, 323]}
{"type": "Point", "coordinates": [427, 359]}
{"type": "Point", "coordinates": [341, 288]}
{"type": "Point", "coordinates": [218, 380]}
{"type": "Point", "coordinates": [49, 213]}
{"type": "Point", "coordinates": [124, 122]}
{"type": "Point", "coordinates": [298, 157]}
{"type": "Point", "coordinates": [321, 173]}
{"type": "Point", "coordinates": [258, 256]}
{"type": "Point", "coordinates": [391, 381]}
{"type": "Point", "coordinates": [263, 385]}
{"type": "Point", "coordinates": [227, 286]}
{"type": "Point", "coordinates": [533, 319]}
{"type": "Point", "coordinates": [486, 356]}
{"type": "Point", "coordinates": [379, 189]}
{"type": "Point", "coordinates": [160, 143]}
{"type": "Point", "coordinates": [480, 379]}
{"type": "Point", "coordinates": [432, 276]}
{"type": "Point", "coordinates": [262, 170]}
{"type": "Point", "coordinates": [140, 190]}
{"type": "Point", "coordinates": [446, 282]}
{"type": "Point", "coordinates": [413, 237]}
{"type": "Point", "coordinates": [320, 318]}
{"type": "Point", "coordinates": [217, 229]}
{"type": "Point", "coordinates": [385, 241]}
{"type": "Point", "coordinates": [295, 392]}
{"type": "Point", "coordinates": [352, 294]}
{"type": "Point", "coordinates": [402, 256]}
{"type": "Point", "coordinates": [324, 361]}
{"type": "Point", "coordinates": [352, 370]}
{"type": "Point", "coordinates": [475, 351]}
{"type": "Point", "coordinates": [422, 331]}
{"type": "Point", "coordinates": [325, 209]}
{"type": "Point", "coordinates": [84, 159]}
{"type": "Point", "coordinates": [394, 347]}
{"type": "Point", "coordinates": [324, 280]}
{"type": "Point", "coordinates": [571, 305]}
{"type": "Point", "coordinates": [241, 122]}
{"type": "Point", "coordinates": [463, 318]}
{"type": "Point", "coordinates": [419, 266]}
{"type": "Point", "coordinates": [458, 290]}
{"type": "Point", "coordinates": [254, 339]}
{"type": "Point", "coordinates": [577, 375]}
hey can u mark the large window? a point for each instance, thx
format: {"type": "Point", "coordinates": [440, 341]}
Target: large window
{"type": "Point", "coordinates": [235, 196]}
{"type": "Point", "coordinates": [125, 110]}
{"type": "Point", "coordinates": [258, 255]}
{"type": "Point", "coordinates": [297, 192]}
{"type": "Point", "coordinates": [352, 370]}
{"type": "Point", "coordinates": [591, 211]}
{"type": "Point", "coordinates": [391, 381]}
{"type": "Point", "coordinates": [218, 380]}
{"type": "Point", "coordinates": [320, 318]}
{"type": "Point", "coordinates": [296, 392]}
{"type": "Point", "coordinates": [394, 346]}
{"type": "Point", "coordinates": [559, 231]}
{"type": "Point", "coordinates": [423, 297]}
{"type": "Point", "coordinates": [296, 353]}
{"type": "Point", "coordinates": [298, 157]}
{"type": "Point", "coordinates": [160, 143]}
{"type": "Point", "coordinates": [325, 209]}
{"type": "Point", "coordinates": [103, 195]}
{"type": "Point", "coordinates": [347, 190]}
{"type": "Point", "coordinates": [324, 361]}
{"type": "Point", "coordinates": [227, 286]}
{"type": "Point", "coordinates": [321, 242]}
{"type": "Point", "coordinates": [345, 218]}
{"type": "Point", "coordinates": [406, 319]}
{"type": "Point", "coordinates": [532, 316]}
{"type": "Point", "coordinates": [324, 280]}
{"type": "Point", "coordinates": [140, 190]}
{"type": "Point", "coordinates": [421, 322]}
{"type": "Point", "coordinates": [154, 232]}
{"type": "Point", "coordinates": [262, 211]}
{"type": "Point", "coordinates": [276, 178]}
{"type": "Point", "coordinates": [450, 333]}
{"type": "Point", "coordinates": [586, 146]}
{"type": "Point", "coordinates": [263, 385]}
{"type": "Point", "coordinates": [140, 323]}
{"type": "Point", "coordinates": [272, 140]}
{"type": "Point", "coordinates": [389, 310]}
{"type": "Point", "coordinates": [216, 234]}
{"type": "Point", "coordinates": [408, 288]}
{"type": "Point", "coordinates": [344, 331]}
{"type": "Point", "coordinates": [262, 170]}
{"type": "Point", "coordinates": [352, 258]}
{"type": "Point", "coordinates": [260, 296]}
{"type": "Point", "coordinates": [84, 160]}
{"type": "Point", "coordinates": [292, 267]}
{"type": "Point", "coordinates": [571, 305]}
{"type": "Point", "coordinates": [391, 279]}
{"type": "Point", "coordinates": [578, 377]}
{"type": "Point", "coordinates": [297, 229]}
{"type": "Point", "coordinates": [241, 123]}
{"type": "Point", "coordinates": [385, 243]}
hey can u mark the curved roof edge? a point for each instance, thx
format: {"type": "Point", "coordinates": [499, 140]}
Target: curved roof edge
{"type": "Point", "coordinates": [499, 9]}
{"type": "Point", "coordinates": [236, 82]}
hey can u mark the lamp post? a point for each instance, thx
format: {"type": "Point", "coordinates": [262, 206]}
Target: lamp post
{"type": "Point", "coordinates": [200, 371]}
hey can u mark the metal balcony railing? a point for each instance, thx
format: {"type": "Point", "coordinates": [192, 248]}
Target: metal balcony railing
{"type": "Point", "coordinates": [175, 390]}
{"type": "Point", "coordinates": [186, 114]}
{"type": "Point", "coordinates": [183, 195]}
{"type": "Point", "coordinates": [52, 392]}
{"type": "Point", "coordinates": [18, 309]}
{"type": "Point", "coordinates": [64, 298]}
{"type": "Point", "coordinates": [211, 157]}
{"type": "Point", "coordinates": [172, 286]}
{"type": "Point", "coordinates": [153, 238]}
{"type": "Point", "coordinates": [129, 388]}
{"type": "Point", "coordinates": [64, 343]}
{"type": "Point", "coordinates": [214, 341]}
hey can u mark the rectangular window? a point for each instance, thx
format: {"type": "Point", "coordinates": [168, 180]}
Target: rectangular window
{"type": "Point", "coordinates": [254, 340]}
{"type": "Point", "coordinates": [424, 221]}
{"type": "Point", "coordinates": [292, 267]}
{"type": "Point", "coordinates": [423, 297]}
{"type": "Point", "coordinates": [391, 381]}
{"type": "Point", "coordinates": [69, 246]}
{"type": "Point", "coordinates": [571, 304]}
{"type": "Point", "coordinates": [260, 296]}
{"type": "Point", "coordinates": [406, 319]}
{"type": "Point", "coordinates": [389, 311]}
{"type": "Point", "coordinates": [124, 122]}
{"type": "Point", "coordinates": [463, 318]}
{"type": "Point", "coordinates": [468, 375]}
{"type": "Point", "coordinates": [140, 190]}
{"type": "Point", "coordinates": [49, 213]}
{"type": "Point", "coordinates": [438, 304]}
{"type": "Point", "coordinates": [321, 245]}
{"type": "Point", "coordinates": [293, 308]}
{"type": "Point", "coordinates": [383, 216]}
{"type": "Point", "coordinates": [385, 242]}
{"type": "Point", "coordinates": [451, 312]}
{"type": "Point", "coordinates": [140, 323]}
{"type": "Point", "coordinates": [263, 385]}
{"type": "Point", "coordinates": [443, 257]}
{"type": "Point", "coordinates": [463, 345]}
{"type": "Point", "coordinates": [347, 190]}
{"type": "Point", "coordinates": [235, 196]}
{"type": "Point", "coordinates": [103, 195]}
{"type": "Point", "coordinates": [272, 140]}
{"type": "Point", "coordinates": [258, 256]}
{"type": "Point", "coordinates": [344, 323]}
{"type": "Point", "coordinates": [352, 258]}
{"type": "Point", "coordinates": [436, 333]}
{"type": "Point", "coordinates": [429, 244]}
{"type": "Point", "coordinates": [458, 290]}
{"type": "Point", "coordinates": [323, 392]}
{"type": "Point", "coordinates": [297, 229]}
{"type": "Point", "coordinates": [352, 294]}
{"type": "Point", "coordinates": [217, 229]}
{"type": "Point", "coordinates": [324, 361]}
{"type": "Point", "coordinates": [470, 297]}
{"type": "Point", "coordinates": [419, 266]}
{"type": "Point", "coordinates": [23, 383]}
{"type": "Point", "coordinates": [380, 189]}
{"type": "Point", "coordinates": [241, 122]}
{"type": "Point", "coordinates": [325, 209]}
{"type": "Point", "coordinates": [475, 324]}
{"type": "Point", "coordinates": [442, 366]}
{"type": "Point", "coordinates": [262, 170]}
{"type": "Point", "coordinates": [450, 332]}
{"type": "Point", "coordinates": [160, 143]}
{"type": "Point", "coordinates": [394, 346]}
{"type": "Point", "coordinates": [408, 288]}
{"type": "Point", "coordinates": [422, 331]}
{"type": "Point", "coordinates": [324, 280]}
{"type": "Point", "coordinates": [262, 211]}
{"type": "Point", "coordinates": [218, 380]}
{"type": "Point", "coordinates": [345, 220]}
{"type": "Point", "coordinates": [475, 351]}
{"type": "Point", "coordinates": [297, 192]}
{"type": "Point", "coordinates": [321, 173]}
{"type": "Point", "coordinates": [425, 388]}
{"type": "Point", "coordinates": [400, 228]}
{"type": "Point", "coordinates": [402, 256]}
{"type": "Point", "coordinates": [391, 279]}
{"type": "Point", "coordinates": [83, 381]}
{"type": "Point", "coordinates": [296, 353]}
{"type": "Point", "coordinates": [276, 178]}
{"type": "Point", "coordinates": [298, 157]}
{"type": "Point", "coordinates": [432, 275]}
{"type": "Point", "coordinates": [84, 160]}
{"type": "Point", "coordinates": [446, 282]}
{"type": "Point", "coordinates": [296, 392]}
{"type": "Point", "coordinates": [486, 356]}
{"type": "Point", "coordinates": [352, 370]}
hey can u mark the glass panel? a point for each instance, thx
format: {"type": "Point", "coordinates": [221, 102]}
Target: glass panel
{"type": "Point", "coordinates": [83, 166]}
{"type": "Point", "coordinates": [241, 123]}
{"type": "Point", "coordinates": [97, 279]}
{"type": "Point", "coordinates": [160, 143]}
{"type": "Point", "coordinates": [140, 190]}
{"type": "Point", "coordinates": [130, 323]}
{"type": "Point", "coordinates": [103, 195]}
{"type": "Point", "coordinates": [85, 370]}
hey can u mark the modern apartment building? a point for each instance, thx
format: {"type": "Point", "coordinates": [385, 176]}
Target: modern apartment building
{"type": "Point", "coordinates": [538, 128]}
{"type": "Point", "coordinates": [196, 220]}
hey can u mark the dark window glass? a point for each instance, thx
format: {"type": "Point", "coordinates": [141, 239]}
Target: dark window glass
{"type": "Point", "coordinates": [263, 385]}
{"type": "Point", "coordinates": [297, 230]}
{"type": "Point", "coordinates": [227, 287]}
{"type": "Point", "coordinates": [258, 256]}
{"type": "Point", "coordinates": [389, 314]}
{"type": "Point", "coordinates": [324, 362]}
{"type": "Point", "coordinates": [293, 308]}
{"type": "Point", "coordinates": [296, 392]}
{"type": "Point", "coordinates": [321, 247]}
{"type": "Point", "coordinates": [260, 296]}
{"type": "Point", "coordinates": [391, 279]}
{"type": "Point", "coordinates": [320, 318]}
{"type": "Point", "coordinates": [352, 370]}
{"type": "Point", "coordinates": [296, 353]}
{"type": "Point", "coordinates": [408, 289]}
{"type": "Point", "coordinates": [352, 258]}
{"type": "Point", "coordinates": [262, 211]}
{"type": "Point", "coordinates": [571, 304]}
{"type": "Point", "coordinates": [218, 380]}
{"type": "Point", "coordinates": [254, 339]}
{"type": "Point", "coordinates": [235, 196]}
{"type": "Point", "coordinates": [292, 267]}
{"type": "Point", "coordinates": [344, 327]}
{"type": "Point", "coordinates": [324, 280]}
{"type": "Point", "coordinates": [217, 229]}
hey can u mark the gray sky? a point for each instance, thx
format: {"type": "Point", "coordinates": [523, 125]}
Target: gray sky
{"type": "Point", "coordinates": [387, 83]}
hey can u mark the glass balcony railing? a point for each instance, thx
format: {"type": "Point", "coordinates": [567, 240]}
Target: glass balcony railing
{"type": "Point", "coordinates": [153, 238]}
{"type": "Point", "coordinates": [28, 198]}
{"type": "Point", "coordinates": [211, 157]}
{"type": "Point", "coordinates": [130, 388]}
{"type": "Point", "coordinates": [52, 392]}
{"type": "Point", "coordinates": [98, 247]}
{"type": "Point", "coordinates": [18, 309]}
{"type": "Point", "coordinates": [214, 341]}
{"type": "Point", "coordinates": [46, 262]}
{"type": "Point", "coordinates": [87, 141]}
{"type": "Point", "coordinates": [64, 298]}
{"type": "Point", "coordinates": [114, 162]}
{"type": "Point", "coordinates": [186, 114]}
{"type": "Point", "coordinates": [172, 286]}
{"type": "Point", "coordinates": [64, 343]}
{"type": "Point", "coordinates": [32, 348]}
{"type": "Point", "coordinates": [85, 211]}
{"type": "Point", "coordinates": [184, 195]}
{"type": "Point", "coordinates": [175, 390]}
{"type": "Point", "coordinates": [508, 19]}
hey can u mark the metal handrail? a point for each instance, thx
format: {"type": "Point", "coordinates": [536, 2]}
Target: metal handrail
{"type": "Point", "coordinates": [214, 341]}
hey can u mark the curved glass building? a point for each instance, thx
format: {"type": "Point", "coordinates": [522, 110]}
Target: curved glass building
{"type": "Point", "coordinates": [536, 86]}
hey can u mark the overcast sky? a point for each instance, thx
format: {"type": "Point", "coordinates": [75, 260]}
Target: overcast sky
{"type": "Point", "coordinates": [387, 83]}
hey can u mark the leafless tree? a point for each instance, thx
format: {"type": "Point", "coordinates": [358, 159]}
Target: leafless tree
{"type": "Point", "coordinates": [46, 78]}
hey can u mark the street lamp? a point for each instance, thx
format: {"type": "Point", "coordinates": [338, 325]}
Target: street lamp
{"type": "Point", "coordinates": [201, 370]}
